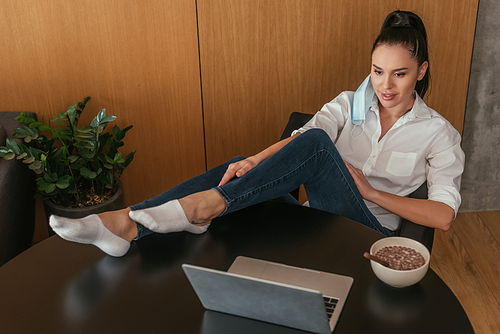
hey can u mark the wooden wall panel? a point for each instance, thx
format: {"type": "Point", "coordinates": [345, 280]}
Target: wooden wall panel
{"type": "Point", "coordinates": [263, 59]}
{"type": "Point", "coordinates": [260, 60]}
{"type": "Point", "coordinates": [138, 59]}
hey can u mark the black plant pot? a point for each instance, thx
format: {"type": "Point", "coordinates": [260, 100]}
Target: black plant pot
{"type": "Point", "coordinates": [116, 202]}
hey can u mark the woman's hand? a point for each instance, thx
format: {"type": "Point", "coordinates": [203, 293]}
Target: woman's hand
{"type": "Point", "coordinates": [364, 187]}
{"type": "Point", "coordinates": [238, 169]}
{"type": "Point", "coordinates": [420, 211]}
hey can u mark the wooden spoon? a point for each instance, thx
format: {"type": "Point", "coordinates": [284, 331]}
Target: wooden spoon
{"type": "Point", "coordinates": [376, 259]}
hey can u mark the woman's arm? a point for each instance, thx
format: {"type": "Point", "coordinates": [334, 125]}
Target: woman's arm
{"type": "Point", "coordinates": [420, 211]}
{"type": "Point", "coordinates": [240, 168]}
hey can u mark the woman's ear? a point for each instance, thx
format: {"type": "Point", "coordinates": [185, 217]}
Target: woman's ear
{"type": "Point", "coordinates": [422, 70]}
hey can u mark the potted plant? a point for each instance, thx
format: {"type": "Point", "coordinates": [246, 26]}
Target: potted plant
{"type": "Point", "coordinates": [77, 167]}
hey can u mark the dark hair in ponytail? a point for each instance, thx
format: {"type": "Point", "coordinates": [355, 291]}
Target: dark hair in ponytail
{"type": "Point", "coordinates": [407, 29]}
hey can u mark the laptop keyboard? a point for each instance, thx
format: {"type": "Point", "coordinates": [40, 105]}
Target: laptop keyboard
{"type": "Point", "coordinates": [330, 304]}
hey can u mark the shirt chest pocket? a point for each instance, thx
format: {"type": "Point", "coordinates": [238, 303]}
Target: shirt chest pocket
{"type": "Point", "coordinates": [401, 164]}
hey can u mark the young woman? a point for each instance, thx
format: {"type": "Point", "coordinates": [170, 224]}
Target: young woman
{"type": "Point", "coordinates": [354, 161]}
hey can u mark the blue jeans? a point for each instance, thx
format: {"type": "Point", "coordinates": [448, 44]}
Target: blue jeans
{"type": "Point", "coordinates": [310, 159]}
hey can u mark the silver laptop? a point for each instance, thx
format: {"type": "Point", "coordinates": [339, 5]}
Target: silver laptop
{"type": "Point", "coordinates": [276, 293]}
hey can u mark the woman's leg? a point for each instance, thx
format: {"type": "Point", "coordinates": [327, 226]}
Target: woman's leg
{"type": "Point", "coordinates": [197, 184]}
{"type": "Point", "coordinates": [163, 206]}
{"type": "Point", "coordinates": [310, 159]}
{"type": "Point", "coordinates": [113, 231]}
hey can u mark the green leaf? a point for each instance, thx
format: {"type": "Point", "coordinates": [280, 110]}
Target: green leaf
{"type": "Point", "coordinates": [29, 160]}
{"type": "Point", "coordinates": [104, 179]}
{"type": "Point", "coordinates": [33, 152]}
{"type": "Point", "coordinates": [9, 156]}
{"type": "Point", "coordinates": [87, 173]}
{"type": "Point", "coordinates": [81, 145]}
{"type": "Point", "coordinates": [12, 145]}
{"type": "Point", "coordinates": [35, 125]}
{"type": "Point", "coordinates": [60, 121]}
{"type": "Point", "coordinates": [25, 132]}
{"type": "Point", "coordinates": [107, 119]}
{"type": "Point", "coordinates": [85, 153]}
{"type": "Point", "coordinates": [44, 186]}
{"type": "Point", "coordinates": [97, 120]}
{"type": "Point", "coordinates": [35, 165]}
{"type": "Point", "coordinates": [63, 182]}
{"type": "Point", "coordinates": [50, 188]}
{"type": "Point", "coordinates": [73, 158]}
{"type": "Point", "coordinates": [20, 132]}
{"type": "Point", "coordinates": [44, 128]}
{"type": "Point", "coordinates": [48, 145]}
{"type": "Point", "coordinates": [121, 134]}
{"type": "Point", "coordinates": [28, 120]}
{"type": "Point", "coordinates": [59, 155]}
{"type": "Point", "coordinates": [50, 177]}
{"type": "Point", "coordinates": [83, 137]}
{"type": "Point", "coordinates": [81, 105]}
{"type": "Point", "coordinates": [86, 129]}
{"type": "Point", "coordinates": [72, 108]}
{"type": "Point", "coordinates": [4, 151]}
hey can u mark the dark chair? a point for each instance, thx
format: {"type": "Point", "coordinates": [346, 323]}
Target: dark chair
{"type": "Point", "coordinates": [408, 229]}
{"type": "Point", "coordinates": [17, 206]}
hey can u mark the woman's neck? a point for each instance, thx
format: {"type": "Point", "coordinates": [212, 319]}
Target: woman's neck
{"type": "Point", "coordinates": [395, 113]}
{"type": "Point", "coordinates": [388, 117]}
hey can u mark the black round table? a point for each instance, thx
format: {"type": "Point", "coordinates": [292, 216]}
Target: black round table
{"type": "Point", "coordinates": [62, 287]}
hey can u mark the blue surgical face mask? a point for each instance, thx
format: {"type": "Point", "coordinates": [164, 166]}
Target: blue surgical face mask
{"type": "Point", "coordinates": [362, 100]}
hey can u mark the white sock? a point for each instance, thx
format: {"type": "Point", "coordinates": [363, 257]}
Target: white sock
{"type": "Point", "coordinates": [165, 218]}
{"type": "Point", "coordinates": [89, 230]}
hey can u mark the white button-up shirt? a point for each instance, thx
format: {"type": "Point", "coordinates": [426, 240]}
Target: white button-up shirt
{"type": "Point", "coordinates": [422, 145]}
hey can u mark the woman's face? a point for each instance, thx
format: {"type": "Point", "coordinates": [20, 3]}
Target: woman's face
{"type": "Point", "coordinates": [394, 76]}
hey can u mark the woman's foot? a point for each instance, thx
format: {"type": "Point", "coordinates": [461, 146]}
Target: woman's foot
{"type": "Point", "coordinates": [192, 213]}
{"type": "Point", "coordinates": [112, 231]}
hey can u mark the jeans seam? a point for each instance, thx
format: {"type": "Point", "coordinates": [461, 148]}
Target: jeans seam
{"type": "Point", "coordinates": [352, 192]}
{"type": "Point", "coordinates": [225, 197]}
{"type": "Point", "coordinates": [353, 195]}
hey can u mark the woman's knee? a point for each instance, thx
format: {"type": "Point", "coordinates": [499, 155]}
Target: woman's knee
{"type": "Point", "coordinates": [318, 137]}
{"type": "Point", "coordinates": [317, 133]}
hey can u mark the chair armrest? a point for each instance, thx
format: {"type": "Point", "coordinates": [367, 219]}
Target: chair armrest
{"type": "Point", "coordinates": [296, 121]}
{"type": "Point", "coordinates": [421, 233]}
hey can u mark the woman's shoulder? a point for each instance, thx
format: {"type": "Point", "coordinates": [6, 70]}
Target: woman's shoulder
{"type": "Point", "coordinates": [346, 95]}
{"type": "Point", "coordinates": [425, 112]}
{"type": "Point", "coordinates": [341, 104]}
{"type": "Point", "coordinates": [434, 121]}
{"type": "Point", "coordinates": [344, 99]}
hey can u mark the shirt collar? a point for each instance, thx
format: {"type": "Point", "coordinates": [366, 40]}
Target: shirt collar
{"type": "Point", "coordinates": [419, 109]}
